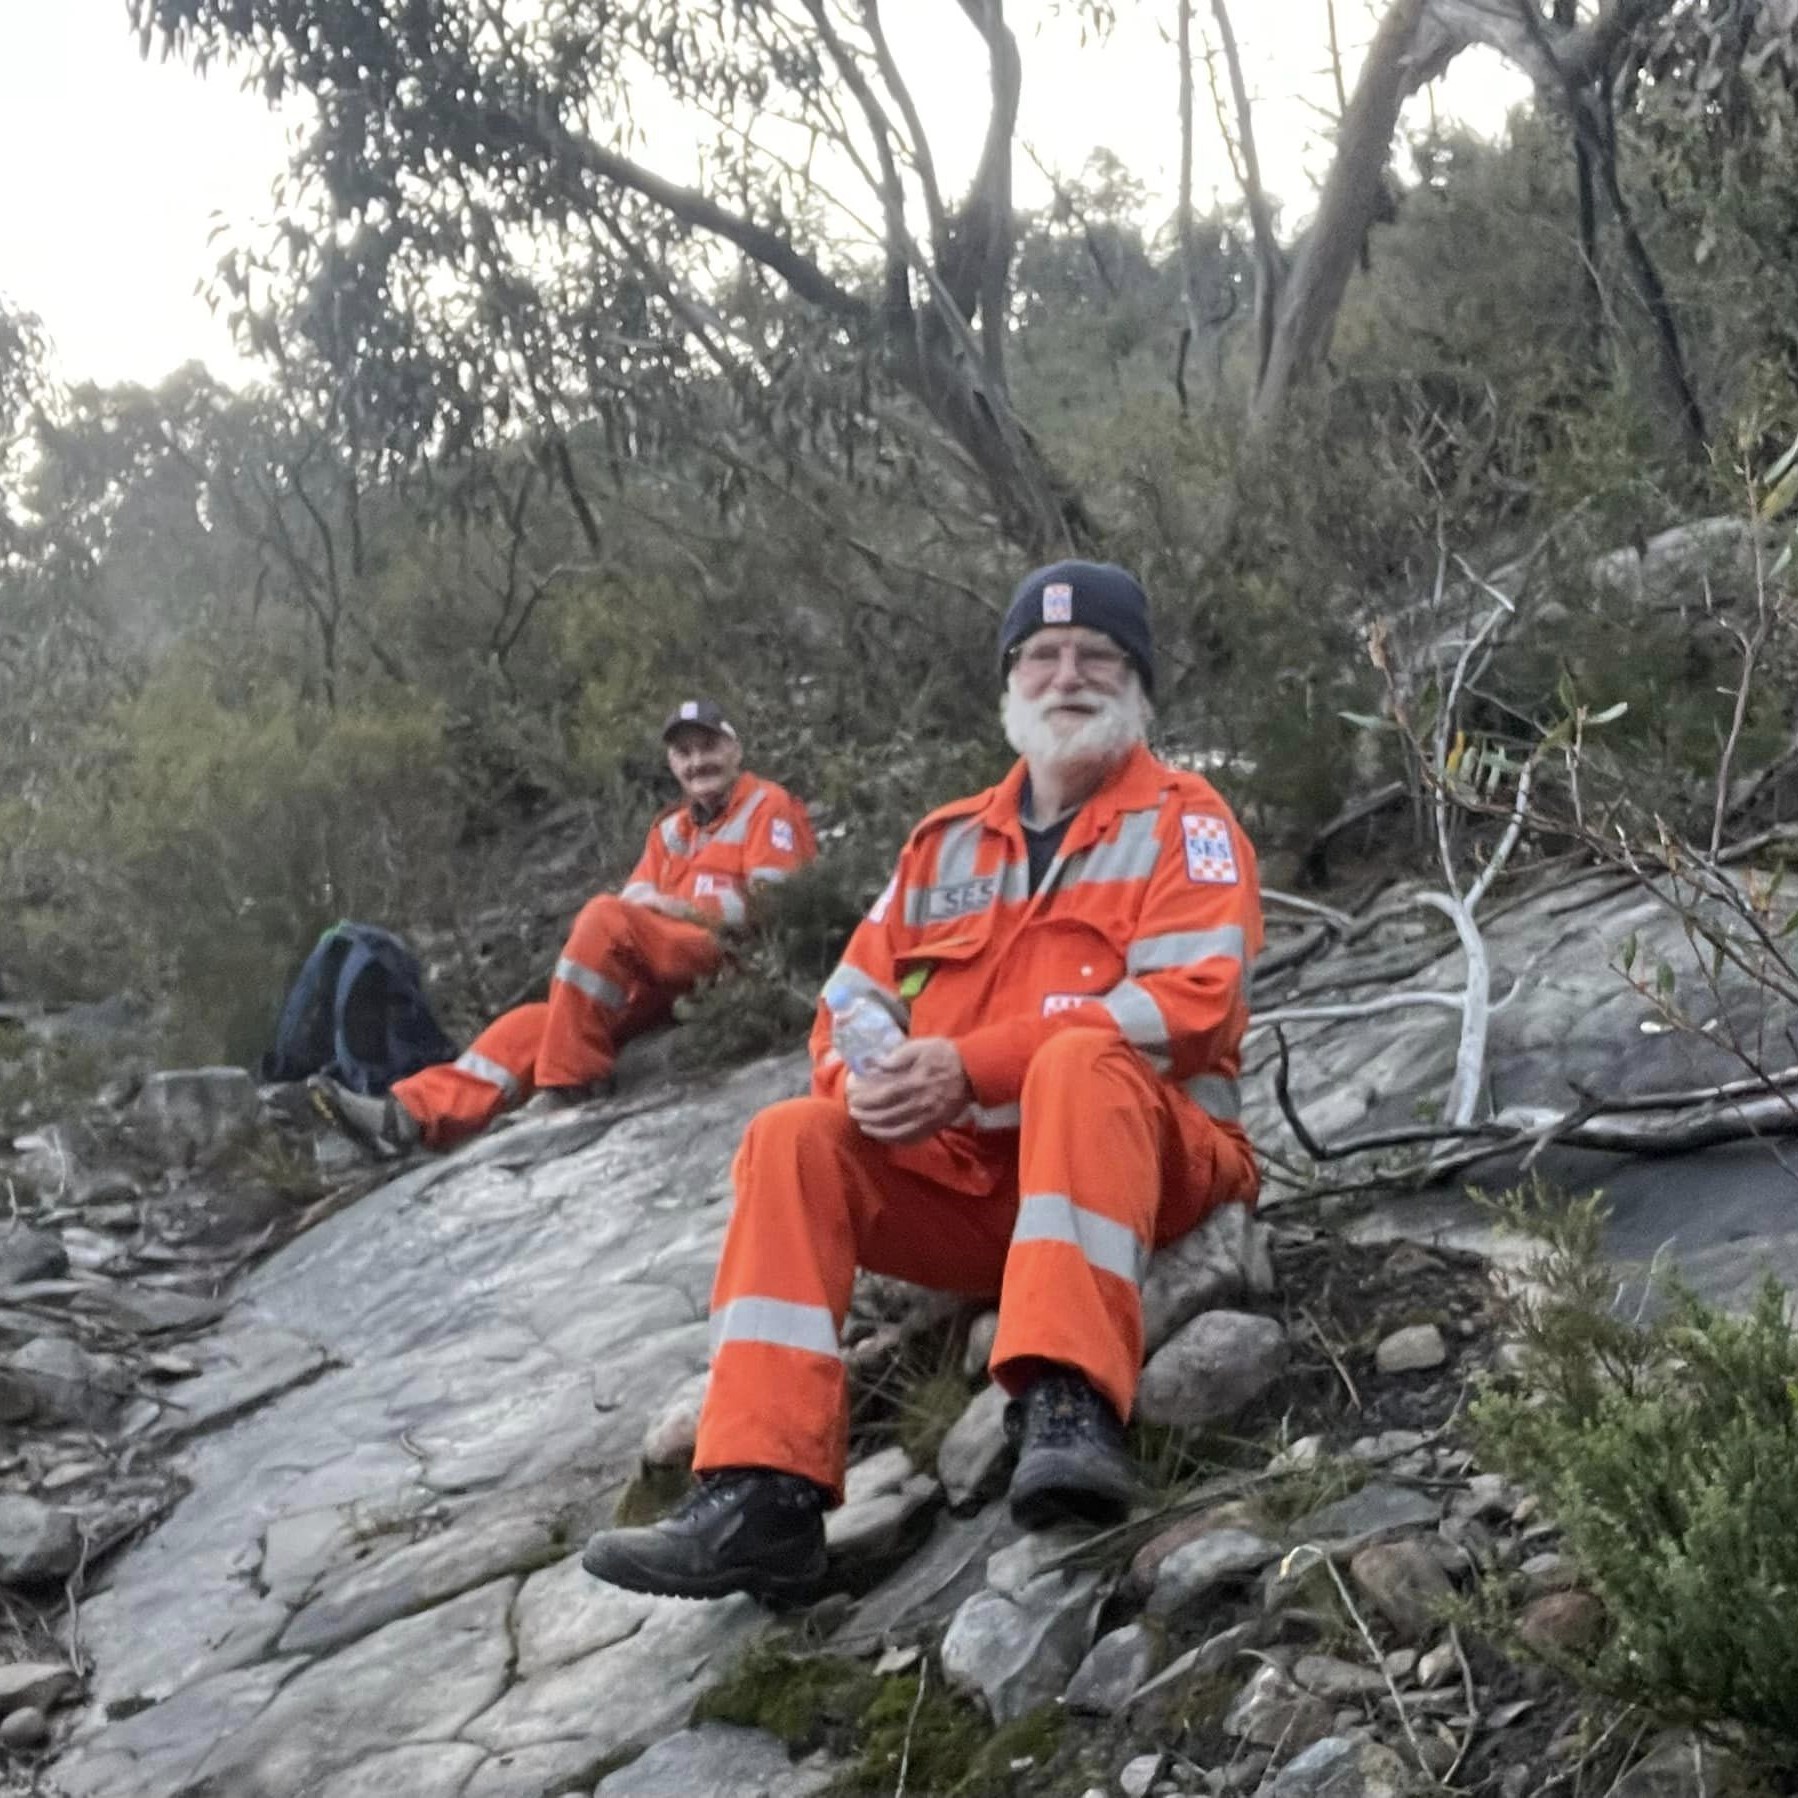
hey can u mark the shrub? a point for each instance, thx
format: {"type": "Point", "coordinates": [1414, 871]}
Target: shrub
{"type": "Point", "coordinates": [1665, 1449]}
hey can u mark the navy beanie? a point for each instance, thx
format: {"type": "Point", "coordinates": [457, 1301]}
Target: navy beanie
{"type": "Point", "coordinates": [1098, 595]}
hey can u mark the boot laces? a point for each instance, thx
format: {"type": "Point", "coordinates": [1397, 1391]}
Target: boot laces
{"type": "Point", "coordinates": [1061, 1411]}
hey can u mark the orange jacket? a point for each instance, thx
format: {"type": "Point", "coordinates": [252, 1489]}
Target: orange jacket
{"type": "Point", "coordinates": [1146, 924]}
{"type": "Point", "coordinates": [761, 835]}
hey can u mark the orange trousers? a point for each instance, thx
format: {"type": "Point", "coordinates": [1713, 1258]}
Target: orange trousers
{"type": "Point", "coordinates": [620, 971]}
{"type": "Point", "coordinates": [1057, 1221]}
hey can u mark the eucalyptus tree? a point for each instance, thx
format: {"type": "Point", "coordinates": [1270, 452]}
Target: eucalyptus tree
{"type": "Point", "coordinates": [527, 212]}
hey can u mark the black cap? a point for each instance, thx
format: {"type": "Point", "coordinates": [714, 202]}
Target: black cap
{"type": "Point", "coordinates": [1098, 595]}
{"type": "Point", "coordinates": [706, 713]}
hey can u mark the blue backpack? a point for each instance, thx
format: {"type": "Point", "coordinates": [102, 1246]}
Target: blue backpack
{"type": "Point", "coordinates": [357, 1011]}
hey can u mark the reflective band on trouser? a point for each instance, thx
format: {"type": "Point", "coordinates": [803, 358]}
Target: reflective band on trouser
{"type": "Point", "coordinates": [1111, 1247]}
{"type": "Point", "coordinates": [638, 891]}
{"type": "Point", "coordinates": [482, 1067]}
{"type": "Point", "coordinates": [731, 908]}
{"type": "Point", "coordinates": [1216, 1094]}
{"type": "Point", "coordinates": [1140, 1020]}
{"type": "Point", "coordinates": [596, 986]}
{"type": "Point", "coordinates": [1183, 949]}
{"type": "Point", "coordinates": [777, 1322]}
{"type": "Point", "coordinates": [768, 876]}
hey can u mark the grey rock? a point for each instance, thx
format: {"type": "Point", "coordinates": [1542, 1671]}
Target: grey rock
{"type": "Point", "coordinates": [1272, 1712]}
{"type": "Point", "coordinates": [1212, 1370]}
{"type": "Point", "coordinates": [193, 1112]}
{"type": "Point", "coordinates": [148, 1310]}
{"type": "Point", "coordinates": [106, 1186]}
{"type": "Point", "coordinates": [1676, 1766]}
{"type": "Point", "coordinates": [27, 1254]}
{"type": "Point", "coordinates": [1435, 1666]}
{"type": "Point", "coordinates": [1201, 1270]}
{"type": "Point", "coordinates": [1138, 1774]}
{"type": "Point", "coordinates": [1333, 1679]}
{"type": "Point", "coordinates": [1338, 1767]}
{"type": "Point", "coordinates": [1404, 1583]}
{"type": "Point", "coordinates": [880, 1473]}
{"type": "Point", "coordinates": [428, 1767]}
{"type": "Point", "coordinates": [1211, 1657]}
{"type": "Point", "coordinates": [1376, 1511]}
{"type": "Point", "coordinates": [668, 1442]}
{"type": "Point", "coordinates": [1020, 1652]}
{"type": "Point", "coordinates": [1115, 1669]}
{"type": "Point", "coordinates": [66, 1383]}
{"type": "Point", "coordinates": [715, 1760]}
{"type": "Point", "coordinates": [1011, 1569]}
{"type": "Point", "coordinates": [42, 1685]}
{"type": "Point", "coordinates": [1415, 1349]}
{"type": "Point", "coordinates": [38, 1544]}
{"type": "Point", "coordinates": [1198, 1569]}
{"type": "Point", "coordinates": [879, 1528]}
{"type": "Point", "coordinates": [982, 1333]}
{"type": "Point", "coordinates": [24, 1728]}
{"type": "Point", "coordinates": [972, 1459]}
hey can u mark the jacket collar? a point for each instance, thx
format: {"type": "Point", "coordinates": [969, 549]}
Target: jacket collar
{"type": "Point", "coordinates": [1134, 784]}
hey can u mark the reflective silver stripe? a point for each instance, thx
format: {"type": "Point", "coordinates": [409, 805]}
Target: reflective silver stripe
{"type": "Point", "coordinates": [468, 1062]}
{"type": "Point", "coordinates": [1111, 1247]}
{"type": "Point", "coordinates": [1182, 948]}
{"type": "Point", "coordinates": [1137, 1014]}
{"type": "Point", "coordinates": [1216, 1093]}
{"type": "Point", "coordinates": [731, 908]}
{"type": "Point", "coordinates": [957, 852]}
{"type": "Point", "coordinates": [846, 981]}
{"type": "Point", "coordinates": [674, 839]}
{"type": "Point", "coordinates": [1130, 855]}
{"type": "Point", "coordinates": [737, 830]}
{"type": "Point", "coordinates": [995, 1117]}
{"type": "Point", "coordinates": [639, 890]}
{"type": "Point", "coordinates": [596, 986]}
{"type": "Point", "coordinates": [776, 1321]}
{"type": "Point", "coordinates": [1006, 885]}
{"type": "Point", "coordinates": [769, 876]}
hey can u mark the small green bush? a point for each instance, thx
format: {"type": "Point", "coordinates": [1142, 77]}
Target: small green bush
{"type": "Point", "coordinates": [1665, 1448]}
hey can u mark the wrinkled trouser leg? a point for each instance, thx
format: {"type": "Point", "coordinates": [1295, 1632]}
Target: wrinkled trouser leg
{"type": "Point", "coordinates": [1111, 1162]}
{"type": "Point", "coordinates": [622, 967]}
{"type": "Point", "coordinates": [815, 1199]}
{"type": "Point", "coordinates": [458, 1098]}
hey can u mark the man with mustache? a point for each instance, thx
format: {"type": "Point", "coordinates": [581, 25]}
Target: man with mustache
{"type": "Point", "coordinates": [1071, 951]}
{"type": "Point", "coordinates": [627, 959]}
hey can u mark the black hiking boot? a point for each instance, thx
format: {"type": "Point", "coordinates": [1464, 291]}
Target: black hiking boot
{"type": "Point", "coordinates": [378, 1123]}
{"type": "Point", "coordinates": [1072, 1464]}
{"type": "Point", "coordinates": [743, 1529]}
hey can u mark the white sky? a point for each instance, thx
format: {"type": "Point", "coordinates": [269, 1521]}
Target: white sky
{"type": "Point", "coordinates": [115, 172]}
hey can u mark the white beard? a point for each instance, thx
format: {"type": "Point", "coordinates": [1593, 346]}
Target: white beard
{"type": "Point", "coordinates": [1102, 740]}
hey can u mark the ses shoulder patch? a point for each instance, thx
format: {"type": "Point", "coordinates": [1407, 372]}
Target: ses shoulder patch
{"type": "Point", "coordinates": [782, 835]}
{"type": "Point", "coordinates": [1210, 855]}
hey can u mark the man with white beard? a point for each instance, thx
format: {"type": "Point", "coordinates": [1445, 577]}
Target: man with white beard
{"type": "Point", "coordinates": [1060, 968]}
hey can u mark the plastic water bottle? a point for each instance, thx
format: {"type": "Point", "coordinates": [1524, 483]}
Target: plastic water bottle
{"type": "Point", "coordinates": [863, 1027]}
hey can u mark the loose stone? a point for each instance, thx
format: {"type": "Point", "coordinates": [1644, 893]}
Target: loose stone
{"type": "Point", "coordinates": [1413, 1350]}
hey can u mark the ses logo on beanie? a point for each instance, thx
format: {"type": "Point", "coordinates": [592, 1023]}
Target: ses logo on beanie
{"type": "Point", "coordinates": [1098, 595]}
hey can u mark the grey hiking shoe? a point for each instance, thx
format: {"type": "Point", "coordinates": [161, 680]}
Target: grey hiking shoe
{"type": "Point", "coordinates": [1072, 1463]}
{"type": "Point", "coordinates": [742, 1529]}
{"type": "Point", "coordinates": [376, 1122]}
